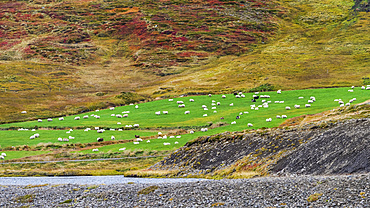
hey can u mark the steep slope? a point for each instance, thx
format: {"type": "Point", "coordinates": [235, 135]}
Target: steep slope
{"type": "Point", "coordinates": [64, 57]}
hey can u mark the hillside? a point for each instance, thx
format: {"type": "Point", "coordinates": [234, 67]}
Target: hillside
{"type": "Point", "coordinates": [330, 146]}
{"type": "Point", "coordinates": [63, 57]}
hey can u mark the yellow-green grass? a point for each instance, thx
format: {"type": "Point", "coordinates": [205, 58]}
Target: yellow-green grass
{"type": "Point", "coordinates": [176, 118]}
{"type": "Point", "coordinates": [21, 154]}
{"type": "Point", "coordinates": [146, 118]}
{"type": "Point", "coordinates": [18, 138]}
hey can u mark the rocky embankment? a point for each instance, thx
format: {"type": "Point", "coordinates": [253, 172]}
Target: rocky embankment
{"type": "Point", "coordinates": [301, 191]}
{"type": "Point", "coordinates": [341, 147]}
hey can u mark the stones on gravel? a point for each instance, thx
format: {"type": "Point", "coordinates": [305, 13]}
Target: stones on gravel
{"type": "Point", "coordinates": [302, 191]}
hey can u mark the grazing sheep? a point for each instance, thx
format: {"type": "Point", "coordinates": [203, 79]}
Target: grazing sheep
{"type": "Point", "coordinates": [139, 140]}
{"type": "Point", "coordinates": [165, 112]}
{"type": "Point", "coordinates": [269, 119]}
{"type": "Point", "coordinates": [282, 101]}
{"type": "Point", "coordinates": [278, 116]}
{"type": "Point", "coordinates": [120, 129]}
{"type": "Point", "coordinates": [287, 108]}
{"type": "Point", "coordinates": [3, 154]}
{"type": "Point", "coordinates": [341, 105]}
{"type": "Point", "coordinates": [307, 105]}
{"type": "Point", "coordinates": [77, 118]}
{"type": "Point", "coordinates": [125, 112]}
{"type": "Point", "coordinates": [124, 115]}
{"type": "Point", "coordinates": [209, 95]}
{"type": "Point", "coordinates": [95, 150]}
{"type": "Point", "coordinates": [100, 131]}
{"type": "Point", "coordinates": [237, 117]}
{"type": "Point", "coordinates": [237, 96]}
{"type": "Point", "coordinates": [218, 103]}
{"type": "Point", "coordinates": [61, 119]}
{"type": "Point", "coordinates": [353, 87]}
{"type": "Point", "coordinates": [122, 149]}
{"type": "Point", "coordinates": [310, 101]}
{"type": "Point", "coordinates": [223, 96]}
{"type": "Point", "coordinates": [65, 140]}
{"type": "Point", "coordinates": [166, 143]}
{"type": "Point", "coordinates": [111, 108]}
{"type": "Point", "coordinates": [231, 104]}
{"type": "Point", "coordinates": [71, 137]}
{"type": "Point", "coordinates": [234, 122]}
{"type": "Point", "coordinates": [39, 120]}
{"type": "Point", "coordinates": [187, 112]}
{"type": "Point", "coordinates": [300, 97]}
{"type": "Point", "coordinates": [171, 137]}
{"type": "Point", "coordinates": [205, 115]}
{"type": "Point", "coordinates": [99, 139]}
{"type": "Point", "coordinates": [147, 141]}
{"type": "Point", "coordinates": [180, 102]}
{"type": "Point", "coordinates": [60, 139]}
{"type": "Point", "coordinates": [158, 113]}
{"type": "Point", "coordinates": [191, 132]}
{"type": "Point", "coordinates": [170, 99]}
{"type": "Point", "coordinates": [204, 129]}
{"type": "Point", "coordinates": [340, 102]}
{"type": "Point", "coordinates": [136, 142]}
{"type": "Point", "coordinates": [205, 108]}
{"type": "Point", "coordinates": [136, 106]}
{"type": "Point", "coordinates": [159, 133]}
{"type": "Point", "coordinates": [363, 87]}
{"type": "Point", "coordinates": [249, 125]}
{"type": "Point", "coordinates": [278, 92]}
{"type": "Point", "coordinates": [37, 135]}
{"type": "Point", "coordinates": [176, 142]}
{"type": "Point", "coordinates": [350, 90]}
{"type": "Point", "coordinates": [97, 117]}
{"type": "Point", "coordinates": [191, 100]}
{"type": "Point", "coordinates": [284, 116]}
{"type": "Point", "coordinates": [112, 138]}
{"type": "Point", "coordinates": [178, 137]}
{"type": "Point", "coordinates": [85, 117]}
{"type": "Point", "coordinates": [2, 157]}
{"type": "Point", "coordinates": [119, 123]}
{"type": "Point", "coordinates": [49, 119]}
{"type": "Point", "coordinates": [213, 108]}
{"type": "Point", "coordinates": [24, 112]}
{"type": "Point", "coordinates": [297, 106]}
{"type": "Point", "coordinates": [164, 137]}
{"type": "Point", "coordinates": [96, 128]}
{"type": "Point", "coordinates": [253, 100]}
{"type": "Point", "coordinates": [214, 111]}
{"type": "Point", "coordinates": [136, 125]}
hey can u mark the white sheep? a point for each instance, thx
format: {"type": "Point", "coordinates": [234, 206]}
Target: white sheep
{"type": "Point", "coordinates": [122, 149]}
{"type": "Point", "coordinates": [85, 117]}
{"type": "Point", "coordinates": [96, 128]}
{"type": "Point", "coordinates": [249, 125]}
{"type": "Point", "coordinates": [191, 132]}
{"type": "Point", "coordinates": [278, 92]}
{"type": "Point", "coordinates": [205, 108]}
{"type": "Point", "coordinates": [234, 122]}
{"type": "Point", "coordinates": [136, 106]}
{"type": "Point", "coordinates": [171, 137]}
{"type": "Point", "coordinates": [158, 113]}
{"type": "Point", "coordinates": [60, 139]}
{"type": "Point", "coordinates": [97, 117]}
{"type": "Point", "coordinates": [180, 102]}
{"type": "Point", "coordinates": [214, 111]}
{"type": "Point", "coordinates": [3, 154]}
{"type": "Point", "coordinates": [136, 142]}
{"type": "Point", "coordinates": [24, 112]}
{"type": "Point", "coordinates": [223, 96]}
{"type": "Point", "coordinates": [307, 105]}
{"type": "Point", "coordinates": [147, 141]}
{"type": "Point", "coordinates": [176, 142]}
{"type": "Point", "coordinates": [164, 137]}
{"type": "Point", "coordinates": [284, 116]}
{"type": "Point", "coordinates": [95, 150]}
{"type": "Point", "coordinates": [49, 119]}
{"type": "Point", "coordinates": [2, 157]}
{"type": "Point", "coordinates": [37, 135]}
{"type": "Point", "coordinates": [165, 112]}
{"type": "Point", "coordinates": [65, 140]}
{"type": "Point", "coordinates": [350, 90]}
{"type": "Point", "coordinates": [204, 129]}
{"type": "Point", "coordinates": [231, 104]}
{"type": "Point", "coordinates": [112, 138]}
{"type": "Point", "coordinates": [269, 119]}
{"type": "Point", "coordinates": [205, 115]}
{"type": "Point", "coordinates": [77, 118]}
{"type": "Point", "coordinates": [191, 100]}
{"type": "Point", "coordinates": [363, 87]}
{"type": "Point", "coordinates": [187, 112]}
{"type": "Point", "coordinates": [111, 108]}
{"type": "Point", "coordinates": [178, 137]}
{"type": "Point", "coordinates": [218, 103]}
{"type": "Point", "coordinates": [170, 99]}
{"type": "Point", "coordinates": [300, 97]}
{"type": "Point", "coordinates": [39, 120]}
{"type": "Point", "coordinates": [166, 143]}
{"type": "Point", "coordinates": [124, 115]}
{"type": "Point", "coordinates": [310, 101]}
{"type": "Point", "coordinates": [287, 108]}
{"type": "Point", "coordinates": [139, 140]}
{"type": "Point", "coordinates": [159, 133]}
{"type": "Point", "coordinates": [119, 123]}
{"type": "Point", "coordinates": [209, 95]}
{"type": "Point", "coordinates": [278, 116]}
{"type": "Point", "coordinates": [213, 108]}
{"type": "Point", "coordinates": [297, 106]}
{"type": "Point", "coordinates": [136, 125]}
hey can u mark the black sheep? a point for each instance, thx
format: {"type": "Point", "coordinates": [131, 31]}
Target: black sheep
{"type": "Point", "coordinates": [100, 139]}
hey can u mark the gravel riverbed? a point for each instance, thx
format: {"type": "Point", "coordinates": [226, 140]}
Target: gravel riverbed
{"type": "Point", "coordinates": [295, 191]}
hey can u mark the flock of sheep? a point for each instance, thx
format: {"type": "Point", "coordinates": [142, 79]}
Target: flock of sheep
{"type": "Point", "coordinates": [181, 104]}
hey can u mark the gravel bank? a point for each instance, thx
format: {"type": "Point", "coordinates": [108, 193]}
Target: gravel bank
{"type": "Point", "coordinates": [332, 191]}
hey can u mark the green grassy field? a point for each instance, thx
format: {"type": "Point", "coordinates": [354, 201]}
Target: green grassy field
{"type": "Point", "coordinates": [168, 124]}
